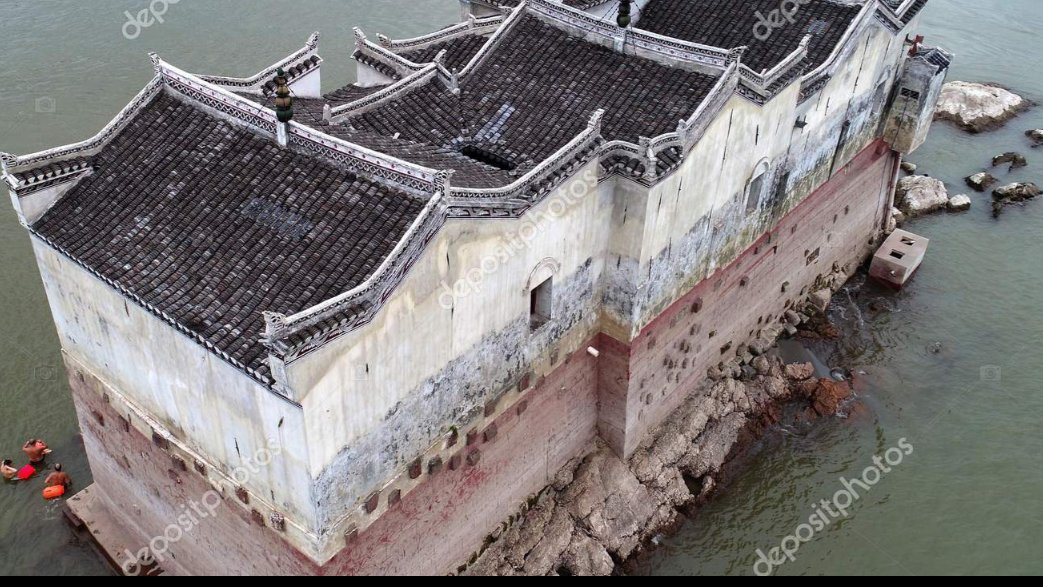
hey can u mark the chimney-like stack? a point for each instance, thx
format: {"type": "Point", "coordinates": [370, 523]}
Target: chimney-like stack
{"type": "Point", "coordinates": [283, 107]}
{"type": "Point", "coordinates": [624, 19]}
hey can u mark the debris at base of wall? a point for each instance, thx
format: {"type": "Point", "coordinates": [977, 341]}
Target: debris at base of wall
{"type": "Point", "coordinates": [599, 510]}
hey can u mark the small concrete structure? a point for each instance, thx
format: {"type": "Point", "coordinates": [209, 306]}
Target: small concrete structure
{"type": "Point", "coordinates": [899, 258]}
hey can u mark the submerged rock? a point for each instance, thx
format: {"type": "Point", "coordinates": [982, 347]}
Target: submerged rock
{"type": "Point", "coordinates": [1014, 193]}
{"type": "Point", "coordinates": [960, 203]}
{"type": "Point", "coordinates": [828, 396]}
{"type": "Point", "coordinates": [1036, 136]}
{"type": "Point", "coordinates": [978, 107]}
{"type": "Point", "coordinates": [1016, 160]}
{"type": "Point", "coordinates": [920, 194]}
{"type": "Point", "coordinates": [982, 181]}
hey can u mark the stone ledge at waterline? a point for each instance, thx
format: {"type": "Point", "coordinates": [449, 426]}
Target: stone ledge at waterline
{"type": "Point", "coordinates": [979, 107]}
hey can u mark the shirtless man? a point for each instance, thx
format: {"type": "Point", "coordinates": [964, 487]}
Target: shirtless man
{"type": "Point", "coordinates": [36, 450]}
{"type": "Point", "coordinates": [8, 470]}
{"type": "Point", "coordinates": [57, 478]}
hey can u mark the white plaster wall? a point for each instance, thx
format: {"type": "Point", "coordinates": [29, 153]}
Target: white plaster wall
{"type": "Point", "coordinates": [697, 218]}
{"type": "Point", "coordinates": [349, 387]}
{"type": "Point", "coordinates": [34, 206]}
{"type": "Point", "coordinates": [642, 248]}
{"type": "Point", "coordinates": [205, 402]}
{"type": "Point", "coordinates": [309, 86]}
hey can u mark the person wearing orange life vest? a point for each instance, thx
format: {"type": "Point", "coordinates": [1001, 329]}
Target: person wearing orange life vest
{"type": "Point", "coordinates": [58, 477]}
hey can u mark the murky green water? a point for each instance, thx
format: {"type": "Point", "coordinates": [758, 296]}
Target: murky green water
{"type": "Point", "coordinates": [964, 502]}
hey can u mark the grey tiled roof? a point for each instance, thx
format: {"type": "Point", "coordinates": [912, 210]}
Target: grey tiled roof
{"type": "Point", "coordinates": [729, 24]}
{"type": "Point", "coordinates": [459, 51]}
{"type": "Point", "coordinates": [213, 225]}
{"type": "Point", "coordinates": [535, 93]}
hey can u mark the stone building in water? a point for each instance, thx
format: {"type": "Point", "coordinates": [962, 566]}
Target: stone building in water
{"type": "Point", "coordinates": [360, 340]}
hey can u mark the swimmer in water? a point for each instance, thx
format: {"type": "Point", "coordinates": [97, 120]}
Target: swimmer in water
{"type": "Point", "coordinates": [36, 451]}
{"type": "Point", "coordinates": [58, 477]}
{"type": "Point", "coordinates": [8, 470]}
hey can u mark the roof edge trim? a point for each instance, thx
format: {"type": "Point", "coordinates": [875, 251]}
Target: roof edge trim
{"type": "Point", "coordinates": [255, 83]}
{"type": "Point", "coordinates": [473, 26]}
{"type": "Point", "coordinates": [16, 164]}
{"type": "Point", "coordinates": [636, 41]}
{"type": "Point", "coordinates": [361, 160]}
{"type": "Point", "coordinates": [375, 290]}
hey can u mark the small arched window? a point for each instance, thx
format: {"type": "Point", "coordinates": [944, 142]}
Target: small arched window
{"type": "Point", "coordinates": [755, 189]}
{"type": "Point", "coordinates": [541, 293]}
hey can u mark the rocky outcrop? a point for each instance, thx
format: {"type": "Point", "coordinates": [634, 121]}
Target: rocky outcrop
{"type": "Point", "coordinates": [978, 107]}
{"type": "Point", "coordinates": [800, 371]}
{"type": "Point", "coordinates": [602, 511]}
{"type": "Point", "coordinates": [829, 395]}
{"type": "Point", "coordinates": [982, 181]}
{"type": "Point", "coordinates": [920, 194]}
{"type": "Point", "coordinates": [1014, 193]}
{"type": "Point", "coordinates": [909, 167]}
{"type": "Point", "coordinates": [1036, 136]}
{"type": "Point", "coordinates": [1016, 160]}
{"type": "Point", "coordinates": [960, 203]}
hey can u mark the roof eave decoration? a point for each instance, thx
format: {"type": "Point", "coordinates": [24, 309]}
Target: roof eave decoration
{"type": "Point", "coordinates": [813, 81]}
{"type": "Point", "coordinates": [635, 41]}
{"type": "Point", "coordinates": [291, 337]}
{"type": "Point", "coordinates": [895, 15]}
{"type": "Point", "coordinates": [61, 168]}
{"type": "Point", "coordinates": [378, 166]}
{"type": "Point", "coordinates": [473, 26]}
{"type": "Point", "coordinates": [370, 51]}
{"type": "Point", "coordinates": [650, 164]}
{"type": "Point", "coordinates": [297, 66]}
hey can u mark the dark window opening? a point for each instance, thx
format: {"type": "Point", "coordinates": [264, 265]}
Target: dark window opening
{"type": "Point", "coordinates": [541, 303]}
{"type": "Point", "coordinates": [488, 157]}
{"type": "Point", "coordinates": [756, 192]}
{"type": "Point", "coordinates": [908, 241]}
{"type": "Point", "coordinates": [911, 94]}
{"type": "Point", "coordinates": [898, 254]}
